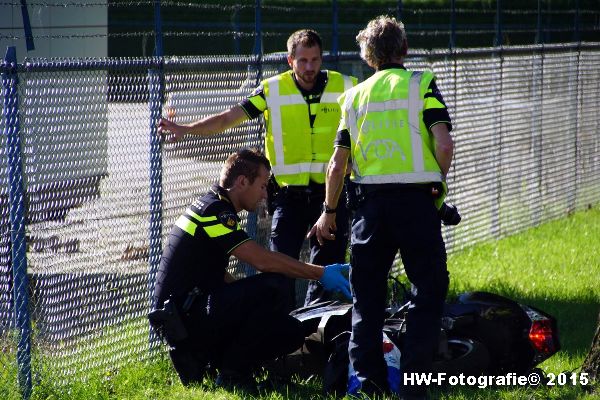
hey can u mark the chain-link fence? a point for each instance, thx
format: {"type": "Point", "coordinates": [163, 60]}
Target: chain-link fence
{"type": "Point", "coordinates": [99, 193]}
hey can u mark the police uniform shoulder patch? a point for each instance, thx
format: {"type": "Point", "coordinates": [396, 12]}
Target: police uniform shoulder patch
{"type": "Point", "coordinates": [228, 218]}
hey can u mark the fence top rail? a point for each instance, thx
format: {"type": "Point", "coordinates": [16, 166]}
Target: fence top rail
{"type": "Point", "coordinates": [171, 62]}
{"type": "Point", "coordinates": [62, 64]}
{"type": "Point", "coordinates": [70, 64]}
{"type": "Point", "coordinates": [442, 53]}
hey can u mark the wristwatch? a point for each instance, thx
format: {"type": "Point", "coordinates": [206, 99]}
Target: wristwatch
{"type": "Point", "coordinates": [328, 210]}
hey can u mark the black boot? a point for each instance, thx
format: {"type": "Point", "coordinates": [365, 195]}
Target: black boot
{"type": "Point", "coordinates": [190, 367]}
{"type": "Point", "coordinates": [237, 381]}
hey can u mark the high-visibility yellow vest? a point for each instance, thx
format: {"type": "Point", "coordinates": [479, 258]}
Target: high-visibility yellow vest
{"type": "Point", "coordinates": [389, 140]}
{"type": "Point", "coordinates": [298, 152]}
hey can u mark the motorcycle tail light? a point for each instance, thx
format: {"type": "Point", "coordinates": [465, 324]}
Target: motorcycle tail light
{"type": "Point", "coordinates": [541, 336]}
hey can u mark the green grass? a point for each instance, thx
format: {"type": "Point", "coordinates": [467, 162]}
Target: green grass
{"type": "Point", "coordinates": [555, 267]}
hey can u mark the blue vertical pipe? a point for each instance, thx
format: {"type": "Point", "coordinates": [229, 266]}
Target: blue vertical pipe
{"type": "Point", "coordinates": [399, 10]}
{"type": "Point", "coordinates": [258, 48]}
{"type": "Point", "coordinates": [335, 33]}
{"type": "Point", "coordinates": [27, 26]}
{"type": "Point", "coordinates": [452, 43]}
{"type": "Point", "coordinates": [155, 102]}
{"type": "Point", "coordinates": [236, 30]}
{"type": "Point", "coordinates": [538, 37]}
{"type": "Point", "coordinates": [16, 195]}
{"type": "Point", "coordinates": [252, 218]}
{"type": "Point", "coordinates": [498, 39]}
{"type": "Point", "coordinates": [577, 37]}
{"type": "Point", "coordinates": [548, 23]}
{"type": "Point", "coordinates": [158, 37]}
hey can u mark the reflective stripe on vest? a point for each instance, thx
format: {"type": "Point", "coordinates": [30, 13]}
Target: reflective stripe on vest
{"type": "Point", "coordinates": [332, 97]}
{"type": "Point", "coordinates": [186, 225]}
{"type": "Point", "coordinates": [189, 223]}
{"type": "Point", "coordinates": [414, 107]}
{"type": "Point", "coordinates": [275, 102]}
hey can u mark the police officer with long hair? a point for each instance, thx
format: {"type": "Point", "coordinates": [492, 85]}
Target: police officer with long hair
{"type": "Point", "coordinates": [395, 128]}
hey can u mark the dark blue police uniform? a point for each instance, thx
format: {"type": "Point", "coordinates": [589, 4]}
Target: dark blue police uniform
{"type": "Point", "coordinates": [231, 325]}
{"type": "Point", "coordinates": [297, 208]}
{"type": "Point", "coordinates": [392, 217]}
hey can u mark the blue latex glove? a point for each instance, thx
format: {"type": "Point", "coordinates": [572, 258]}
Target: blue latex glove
{"type": "Point", "coordinates": [333, 279]}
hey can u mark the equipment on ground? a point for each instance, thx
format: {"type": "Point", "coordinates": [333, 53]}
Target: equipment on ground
{"type": "Point", "coordinates": [482, 334]}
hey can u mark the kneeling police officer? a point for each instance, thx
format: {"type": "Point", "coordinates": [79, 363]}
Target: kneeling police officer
{"type": "Point", "coordinates": [204, 314]}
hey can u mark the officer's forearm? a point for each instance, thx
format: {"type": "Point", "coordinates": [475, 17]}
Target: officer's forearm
{"type": "Point", "coordinates": [217, 123]}
{"type": "Point", "coordinates": [291, 267]}
{"type": "Point", "coordinates": [336, 171]}
{"type": "Point", "coordinates": [444, 146]}
{"type": "Point", "coordinates": [444, 159]}
{"type": "Point", "coordinates": [270, 261]}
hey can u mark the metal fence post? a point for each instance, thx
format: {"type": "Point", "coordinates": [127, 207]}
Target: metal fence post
{"type": "Point", "coordinates": [399, 10]}
{"type": "Point", "coordinates": [335, 33]}
{"type": "Point", "coordinates": [257, 29]}
{"type": "Point", "coordinates": [29, 45]}
{"type": "Point", "coordinates": [498, 40]}
{"type": "Point", "coordinates": [496, 201]}
{"type": "Point", "coordinates": [572, 204]}
{"type": "Point", "coordinates": [538, 37]}
{"type": "Point", "coordinates": [16, 206]}
{"type": "Point", "coordinates": [548, 30]}
{"type": "Point", "coordinates": [577, 35]}
{"type": "Point", "coordinates": [155, 102]}
{"type": "Point", "coordinates": [252, 219]}
{"type": "Point", "coordinates": [236, 29]}
{"type": "Point", "coordinates": [537, 89]}
{"type": "Point", "coordinates": [158, 38]}
{"type": "Point", "coordinates": [452, 24]}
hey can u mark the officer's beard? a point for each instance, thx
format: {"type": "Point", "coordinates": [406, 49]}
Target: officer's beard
{"type": "Point", "coordinates": [307, 79]}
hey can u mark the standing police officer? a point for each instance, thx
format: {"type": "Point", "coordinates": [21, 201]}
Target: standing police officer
{"type": "Point", "coordinates": [395, 126]}
{"type": "Point", "coordinates": [203, 312]}
{"type": "Point", "coordinates": [301, 115]}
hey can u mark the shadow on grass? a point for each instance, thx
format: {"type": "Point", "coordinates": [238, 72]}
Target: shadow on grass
{"type": "Point", "coordinates": [514, 393]}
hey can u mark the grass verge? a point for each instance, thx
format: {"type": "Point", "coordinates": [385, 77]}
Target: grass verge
{"type": "Point", "coordinates": [555, 267]}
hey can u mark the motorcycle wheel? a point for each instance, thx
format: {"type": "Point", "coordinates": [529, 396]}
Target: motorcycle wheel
{"type": "Point", "coordinates": [465, 356]}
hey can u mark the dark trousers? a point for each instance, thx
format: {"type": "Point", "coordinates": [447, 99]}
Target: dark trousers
{"type": "Point", "coordinates": [296, 211]}
{"type": "Point", "coordinates": [238, 326]}
{"type": "Point", "coordinates": [386, 222]}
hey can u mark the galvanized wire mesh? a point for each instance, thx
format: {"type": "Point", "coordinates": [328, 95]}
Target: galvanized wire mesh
{"type": "Point", "coordinates": [520, 138]}
{"type": "Point", "coordinates": [194, 89]}
{"type": "Point", "coordinates": [6, 314]}
{"type": "Point", "coordinates": [588, 126]}
{"type": "Point", "coordinates": [527, 151]}
{"type": "Point", "coordinates": [87, 173]}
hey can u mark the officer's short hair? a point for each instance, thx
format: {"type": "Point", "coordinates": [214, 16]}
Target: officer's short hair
{"type": "Point", "coordinates": [383, 39]}
{"type": "Point", "coordinates": [245, 162]}
{"type": "Point", "coordinates": [304, 37]}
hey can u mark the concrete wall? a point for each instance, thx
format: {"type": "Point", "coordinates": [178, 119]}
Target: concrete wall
{"type": "Point", "coordinates": [58, 31]}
